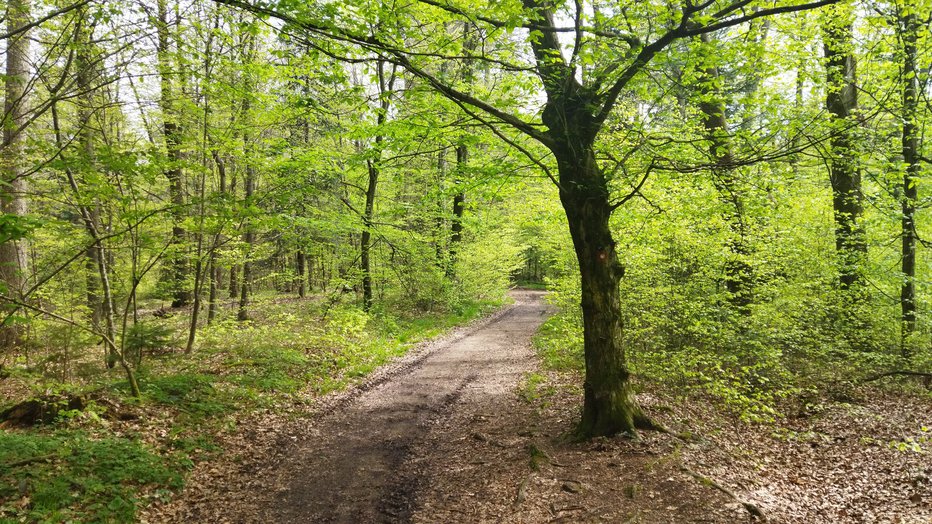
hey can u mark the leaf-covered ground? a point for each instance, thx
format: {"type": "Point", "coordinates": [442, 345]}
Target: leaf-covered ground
{"type": "Point", "coordinates": [864, 460]}
{"type": "Point", "coordinates": [860, 457]}
{"type": "Point", "coordinates": [505, 458]}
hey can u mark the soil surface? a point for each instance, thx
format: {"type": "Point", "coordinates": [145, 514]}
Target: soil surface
{"type": "Point", "coordinates": [367, 455]}
{"type": "Point", "coordinates": [355, 467]}
{"type": "Point", "coordinates": [468, 429]}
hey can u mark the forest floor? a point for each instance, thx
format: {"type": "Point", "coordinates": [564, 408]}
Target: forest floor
{"type": "Point", "coordinates": [468, 429]}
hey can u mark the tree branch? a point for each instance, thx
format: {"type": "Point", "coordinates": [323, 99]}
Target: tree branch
{"type": "Point", "coordinates": [722, 24]}
{"type": "Point", "coordinates": [395, 56]}
{"type": "Point", "coordinates": [46, 18]}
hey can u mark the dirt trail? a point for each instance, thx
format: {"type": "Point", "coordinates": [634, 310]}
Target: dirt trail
{"type": "Point", "coordinates": [360, 462]}
{"type": "Point", "coordinates": [443, 436]}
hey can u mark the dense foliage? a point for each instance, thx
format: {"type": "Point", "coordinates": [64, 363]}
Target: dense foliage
{"type": "Point", "coordinates": [206, 201]}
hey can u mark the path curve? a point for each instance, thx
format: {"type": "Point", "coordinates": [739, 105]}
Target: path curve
{"type": "Point", "coordinates": [359, 464]}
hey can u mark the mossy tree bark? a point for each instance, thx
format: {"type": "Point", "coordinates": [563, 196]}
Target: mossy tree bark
{"type": "Point", "coordinates": [572, 125]}
{"type": "Point", "coordinates": [609, 406]}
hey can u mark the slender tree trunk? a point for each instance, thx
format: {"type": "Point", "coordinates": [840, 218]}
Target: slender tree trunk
{"type": "Point", "coordinates": [440, 221]}
{"type": "Point", "coordinates": [92, 285]}
{"type": "Point", "coordinates": [234, 280]}
{"type": "Point", "coordinates": [301, 265]}
{"type": "Point", "coordinates": [214, 270]}
{"type": "Point", "coordinates": [84, 72]}
{"type": "Point", "coordinates": [738, 272]}
{"type": "Point", "coordinates": [911, 156]}
{"type": "Point", "coordinates": [234, 268]}
{"type": "Point", "coordinates": [13, 253]}
{"type": "Point", "coordinates": [200, 271]}
{"type": "Point", "coordinates": [177, 269]}
{"type": "Point", "coordinates": [212, 288]}
{"type": "Point", "coordinates": [842, 103]}
{"type": "Point", "coordinates": [249, 236]}
{"type": "Point", "coordinates": [249, 186]}
{"type": "Point", "coordinates": [459, 204]}
{"type": "Point", "coordinates": [92, 227]}
{"type": "Point", "coordinates": [798, 104]}
{"type": "Point", "coordinates": [365, 239]}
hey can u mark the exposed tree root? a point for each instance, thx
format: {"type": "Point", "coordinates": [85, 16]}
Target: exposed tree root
{"type": "Point", "coordinates": [927, 377]}
{"type": "Point", "coordinates": [27, 461]}
{"type": "Point", "coordinates": [645, 423]}
{"type": "Point", "coordinates": [521, 494]}
{"type": "Point", "coordinates": [752, 508]}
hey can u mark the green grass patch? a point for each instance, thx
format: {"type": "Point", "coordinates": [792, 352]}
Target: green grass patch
{"type": "Point", "coordinates": [192, 393]}
{"type": "Point", "coordinates": [70, 477]}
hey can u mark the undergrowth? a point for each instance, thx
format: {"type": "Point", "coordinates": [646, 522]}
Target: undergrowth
{"type": "Point", "coordinates": [753, 366]}
{"type": "Point", "coordinates": [73, 476]}
{"type": "Point", "coordinates": [94, 466]}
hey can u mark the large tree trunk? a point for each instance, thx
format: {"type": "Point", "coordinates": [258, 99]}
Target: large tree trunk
{"type": "Point", "coordinates": [609, 406]}
{"type": "Point", "coordinates": [909, 26]}
{"type": "Point", "coordinates": [177, 266]}
{"type": "Point", "coordinates": [842, 103]}
{"type": "Point", "coordinates": [13, 261]}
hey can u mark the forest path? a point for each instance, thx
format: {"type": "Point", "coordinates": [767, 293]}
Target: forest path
{"type": "Point", "coordinates": [368, 454]}
{"type": "Point", "coordinates": [464, 429]}
{"type": "Point", "coordinates": [363, 461]}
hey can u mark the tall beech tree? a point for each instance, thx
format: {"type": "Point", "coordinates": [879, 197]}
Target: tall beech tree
{"type": "Point", "coordinates": [172, 131]}
{"type": "Point", "coordinates": [13, 260]}
{"type": "Point", "coordinates": [385, 85]}
{"type": "Point", "coordinates": [908, 26]}
{"type": "Point", "coordinates": [575, 112]}
{"type": "Point", "coordinates": [727, 180]}
{"type": "Point", "coordinates": [841, 101]}
{"type": "Point", "coordinates": [251, 140]}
